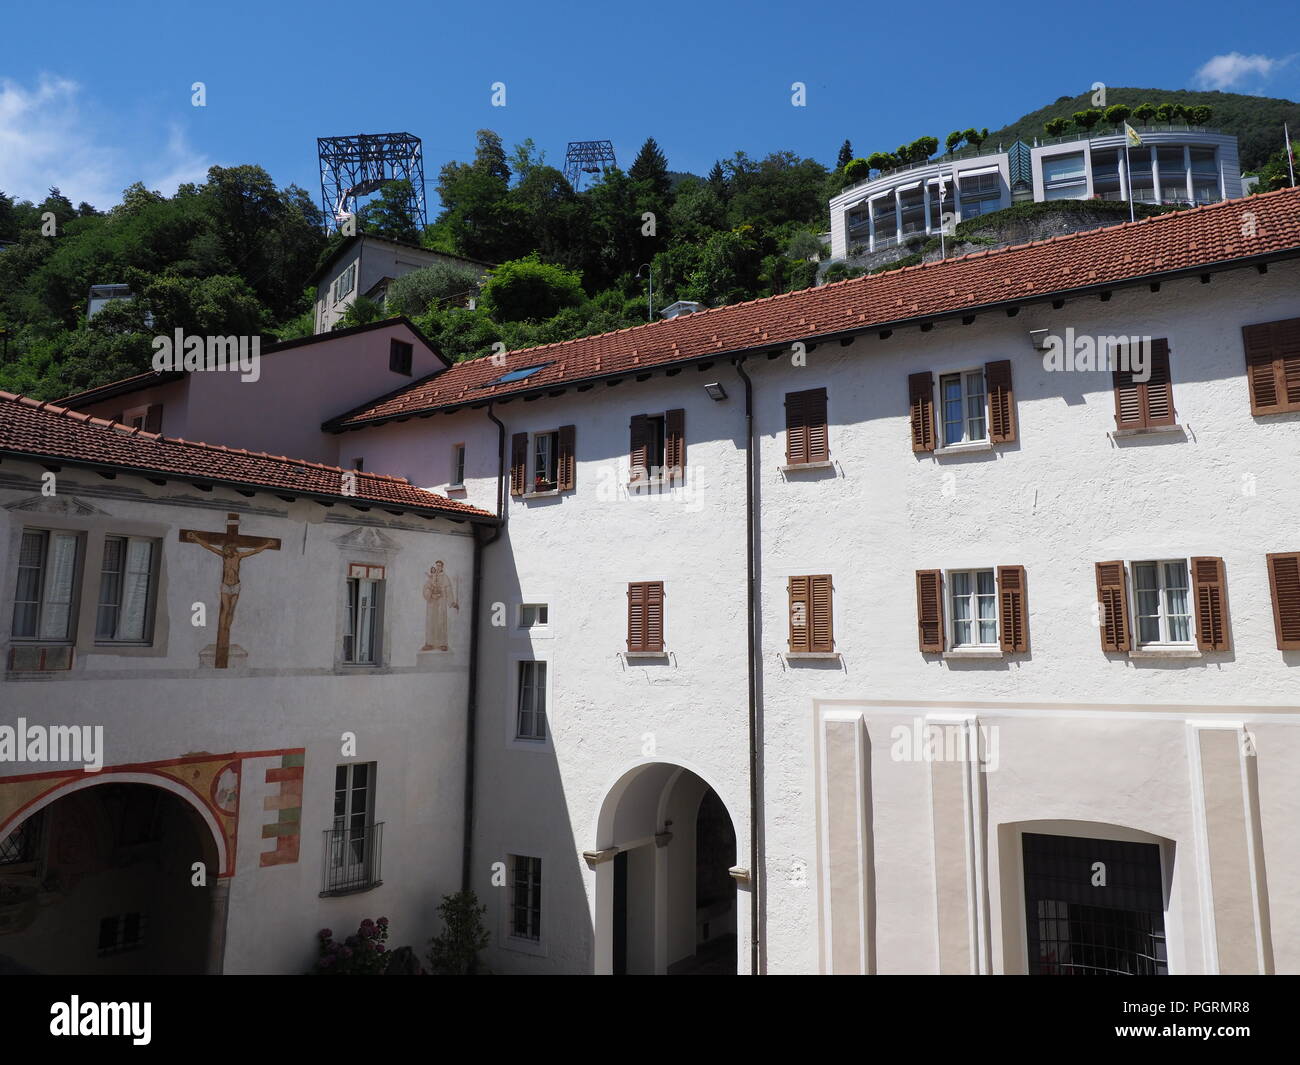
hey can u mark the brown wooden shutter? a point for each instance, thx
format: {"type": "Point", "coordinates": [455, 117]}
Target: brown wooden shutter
{"type": "Point", "coordinates": [565, 466]}
{"type": "Point", "coordinates": [822, 639]}
{"type": "Point", "coordinates": [929, 609]}
{"type": "Point", "coordinates": [800, 633]}
{"type": "Point", "coordinates": [1160, 388]}
{"type": "Point", "coordinates": [1014, 609]}
{"type": "Point", "coordinates": [1112, 594]}
{"type": "Point", "coordinates": [1002, 401]}
{"type": "Point", "coordinates": [807, 438]}
{"type": "Point", "coordinates": [675, 443]}
{"type": "Point", "coordinates": [639, 448]}
{"type": "Point", "coordinates": [518, 463]}
{"type": "Point", "coordinates": [645, 616]}
{"type": "Point", "coordinates": [819, 449]}
{"type": "Point", "coordinates": [1273, 366]}
{"type": "Point", "coordinates": [153, 418]}
{"type": "Point", "coordinates": [920, 398]}
{"type": "Point", "coordinates": [1141, 405]}
{"type": "Point", "coordinates": [1211, 596]}
{"type": "Point", "coordinates": [1284, 582]}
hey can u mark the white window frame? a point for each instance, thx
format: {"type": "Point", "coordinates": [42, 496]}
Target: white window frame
{"type": "Point", "coordinates": [338, 857]}
{"type": "Point", "coordinates": [537, 687]}
{"type": "Point", "coordinates": [552, 438]}
{"type": "Point", "coordinates": [525, 652]}
{"type": "Point", "coordinates": [362, 575]}
{"type": "Point", "coordinates": [950, 612]}
{"type": "Point", "coordinates": [43, 600]}
{"type": "Point", "coordinates": [532, 627]}
{"type": "Point", "coordinates": [150, 592]}
{"type": "Point", "coordinates": [964, 376]}
{"type": "Point", "coordinates": [1163, 614]}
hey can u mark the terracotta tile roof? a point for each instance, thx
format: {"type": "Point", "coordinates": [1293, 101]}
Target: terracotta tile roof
{"type": "Point", "coordinates": [39, 430]}
{"type": "Point", "coordinates": [1166, 244]}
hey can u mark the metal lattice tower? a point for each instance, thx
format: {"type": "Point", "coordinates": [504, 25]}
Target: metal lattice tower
{"type": "Point", "coordinates": [587, 157]}
{"type": "Point", "coordinates": [353, 167]}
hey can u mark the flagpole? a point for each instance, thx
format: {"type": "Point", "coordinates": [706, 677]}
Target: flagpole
{"type": "Point", "coordinates": [1128, 176]}
{"type": "Point", "coordinates": [1290, 155]}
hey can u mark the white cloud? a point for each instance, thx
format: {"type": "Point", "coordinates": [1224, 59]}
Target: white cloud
{"type": "Point", "coordinates": [47, 138]}
{"type": "Point", "coordinates": [1225, 71]}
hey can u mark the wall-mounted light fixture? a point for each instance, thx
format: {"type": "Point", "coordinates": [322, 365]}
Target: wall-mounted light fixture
{"type": "Point", "coordinates": [716, 392]}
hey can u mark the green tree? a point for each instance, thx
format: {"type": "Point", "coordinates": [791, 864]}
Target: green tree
{"type": "Point", "coordinates": [856, 170]}
{"type": "Point", "coordinates": [651, 168]}
{"type": "Point", "coordinates": [454, 950]}
{"type": "Point", "coordinates": [1144, 112]}
{"type": "Point", "coordinates": [1200, 115]}
{"type": "Point", "coordinates": [439, 285]}
{"type": "Point", "coordinates": [390, 215]}
{"type": "Point", "coordinates": [976, 137]}
{"type": "Point", "coordinates": [528, 289]}
{"type": "Point", "coordinates": [1055, 127]}
{"type": "Point", "coordinates": [361, 311]}
{"type": "Point", "coordinates": [1118, 113]}
{"type": "Point", "coordinates": [882, 161]}
{"type": "Point", "coordinates": [953, 140]}
{"type": "Point", "coordinates": [845, 157]}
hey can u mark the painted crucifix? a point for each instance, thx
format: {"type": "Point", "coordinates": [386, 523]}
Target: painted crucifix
{"type": "Point", "coordinates": [233, 549]}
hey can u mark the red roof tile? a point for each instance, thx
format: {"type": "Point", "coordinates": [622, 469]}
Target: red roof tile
{"type": "Point", "coordinates": [39, 430]}
{"type": "Point", "coordinates": [1183, 240]}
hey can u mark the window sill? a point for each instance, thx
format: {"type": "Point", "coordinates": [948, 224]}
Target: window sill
{"type": "Point", "coordinates": [645, 654]}
{"type": "Point", "coordinates": [812, 656]}
{"type": "Point", "coordinates": [525, 946]}
{"type": "Point", "coordinates": [963, 449]}
{"type": "Point", "coordinates": [454, 488]}
{"type": "Point", "coordinates": [545, 493]}
{"type": "Point", "coordinates": [799, 467]}
{"type": "Point", "coordinates": [1165, 652]}
{"type": "Point", "coordinates": [973, 652]}
{"type": "Point", "coordinates": [1123, 434]}
{"type": "Point", "coordinates": [362, 889]}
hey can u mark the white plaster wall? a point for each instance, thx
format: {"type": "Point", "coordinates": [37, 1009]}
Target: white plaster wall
{"type": "Point", "coordinates": [408, 717]}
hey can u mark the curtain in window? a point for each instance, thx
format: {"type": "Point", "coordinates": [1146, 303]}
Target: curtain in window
{"type": "Point", "coordinates": [135, 590]}
{"type": "Point", "coordinates": [56, 617]}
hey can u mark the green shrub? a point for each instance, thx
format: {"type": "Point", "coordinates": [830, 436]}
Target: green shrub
{"type": "Point", "coordinates": [454, 951]}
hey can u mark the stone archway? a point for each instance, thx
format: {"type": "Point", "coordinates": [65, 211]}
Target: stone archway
{"type": "Point", "coordinates": [665, 898]}
{"type": "Point", "coordinates": [97, 878]}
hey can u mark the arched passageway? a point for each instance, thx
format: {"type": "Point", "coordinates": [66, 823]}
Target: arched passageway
{"type": "Point", "coordinates": [666, 899]}
{"type": "Point", "coordinates": [100, 880]}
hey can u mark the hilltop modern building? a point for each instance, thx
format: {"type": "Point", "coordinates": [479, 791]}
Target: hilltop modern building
{"type": "Point", "coordinates": [363, 265]}
{"type": "Point", "coordinates": [1174, 165]}
{"type": "Point", "coordinates": [904, 624]}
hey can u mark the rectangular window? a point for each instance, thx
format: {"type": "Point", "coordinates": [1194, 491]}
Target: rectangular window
{"type": "Point", "coordinates": [525, 897]}
{"type": "Point", "coordinates": [546, 450]}
{"type": "Point", "coordinates": [979, 195]}
{"type": "Point", "coordinates": [1163, 604]}
{"type": "Point", "coordinates": [974, 604]}
{"type": "Point", "coordinates": [361, 635]}
{"type": "Point", "coordinates": [344, 282]}
{"type": "Point", "coordinates": [46, 585]}
{"type": "Point", "coordinates": [120, 933]}
{"type": "Point", "coordinates": [645, 617]}
{"type": "Point", "coordinates": [126, 583]}
{"type": "Point", "coordinates": [531, 716]}
{"type": "Point", "coordinates": [399, 357]}
{"type": "Point", "coordinates": [807, 438]}
{"type": "Point", "coordinates": [965, 407]}
{"type": "Point", "coordinates": [811, 615]}
{"type": "Point", "coordinates": [533, 615]}
{"type": "Point", "coordinates": [1143, 404]}
{"type": "Point", "coordinates": [352, 844]}
{"type": "Point", "coordinates": [457, 465]}
{"type": "Point", "coordinates": [1065, 177]}
{"type": "Point", "coordinates": [1273, 366]}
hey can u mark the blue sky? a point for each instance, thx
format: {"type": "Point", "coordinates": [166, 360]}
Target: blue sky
{"type": "Point", "coordinates": [91, 102]}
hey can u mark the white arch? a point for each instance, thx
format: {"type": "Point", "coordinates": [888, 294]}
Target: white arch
{"type": "Point", "coordinates": [157, 780]}
{"type": "Point", "coordinates": [619, 783]}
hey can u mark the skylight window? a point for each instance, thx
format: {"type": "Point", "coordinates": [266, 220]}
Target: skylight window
{"type": "Point", "coordinates": [515, 375]}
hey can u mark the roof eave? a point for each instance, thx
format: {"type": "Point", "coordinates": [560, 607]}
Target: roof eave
{"type": "Point", "coordinates": [1220, 266]}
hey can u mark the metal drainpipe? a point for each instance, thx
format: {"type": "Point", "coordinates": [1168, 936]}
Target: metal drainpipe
{"type": "Point", "coordinates": [481, 540]}
{"type": "Point", "coordinates": [755, 954]}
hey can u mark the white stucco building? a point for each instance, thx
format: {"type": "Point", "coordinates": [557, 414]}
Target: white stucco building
{"type": "Point", "coordinates": [882, 628]}
{"type": "Point", "coordinates": [1173, 165]}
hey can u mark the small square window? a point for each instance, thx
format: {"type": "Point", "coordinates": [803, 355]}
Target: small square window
{"type": "Point", "coordinates": [399, 357]}
{"type": "Point", "coordinates": [533, 615]}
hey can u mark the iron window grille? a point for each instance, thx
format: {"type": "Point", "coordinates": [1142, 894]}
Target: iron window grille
{"type": "Point", "coordinates": [352, 858]}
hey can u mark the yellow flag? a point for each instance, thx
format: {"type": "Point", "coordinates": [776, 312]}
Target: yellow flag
{"type": "Point", "coordinates": [1134, 141]}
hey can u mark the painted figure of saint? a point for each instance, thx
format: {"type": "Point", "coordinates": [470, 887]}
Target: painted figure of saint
{"type": "Point", "coordinates": [439, 594]}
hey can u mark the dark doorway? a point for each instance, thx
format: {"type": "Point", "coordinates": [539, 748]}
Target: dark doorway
{"type": "Point", "coordinates": [620, 913]}
{"type": "Point", "coordinates": [715, 890]}
{"type": "Point", "coordinates": [101, 882]}
{"type": "Point", "coordinates": [1094, 907]}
